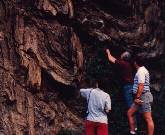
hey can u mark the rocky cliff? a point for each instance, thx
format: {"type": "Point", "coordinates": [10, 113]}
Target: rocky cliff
{"type": "Point", "coordinates": [47, 45]}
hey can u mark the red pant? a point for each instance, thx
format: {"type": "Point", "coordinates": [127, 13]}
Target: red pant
{"type": "Point", "coordinates": [96, 128]}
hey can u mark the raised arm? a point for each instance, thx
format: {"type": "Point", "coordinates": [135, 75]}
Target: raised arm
{"type": "Point", "coordinates": [110, 57]}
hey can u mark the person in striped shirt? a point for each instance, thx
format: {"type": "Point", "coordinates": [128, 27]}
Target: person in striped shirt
{"type": "Point", "coordinates": [143, 97]}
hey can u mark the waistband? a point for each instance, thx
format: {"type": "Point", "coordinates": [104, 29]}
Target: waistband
{"type": "Point", "coordinates": [145, 92]}
{"type": "Point", "coordinates": [142, 92]}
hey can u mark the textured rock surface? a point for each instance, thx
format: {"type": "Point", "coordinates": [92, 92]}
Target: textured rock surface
{"type": "Point", "coordinates": [31, 43]}
{"type": "Point", "coordinates": [46, 44]}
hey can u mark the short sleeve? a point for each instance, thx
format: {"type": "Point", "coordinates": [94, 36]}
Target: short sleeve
{"type": "Point", "coordinates": [108, 103]}
{"type": "Point", "coordinates": [141, 76]}
{"type": "Point", "coordinates": [85, 92]}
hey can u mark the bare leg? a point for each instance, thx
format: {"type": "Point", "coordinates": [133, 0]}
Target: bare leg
{"type": "Point", "coordinates": [131, 119]}
{"type": "Point", "coordinates": [150, 123]}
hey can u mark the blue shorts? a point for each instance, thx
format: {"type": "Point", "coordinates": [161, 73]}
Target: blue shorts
{"type": "Point", "coordinates": [128, 96]}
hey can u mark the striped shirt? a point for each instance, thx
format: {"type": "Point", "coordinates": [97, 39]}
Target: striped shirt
{"type": "Point", "coordinates": [142, 76]}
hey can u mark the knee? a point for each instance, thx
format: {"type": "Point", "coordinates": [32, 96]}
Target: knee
{"type": "Point", "coordinates": [151, 125]}
{"type": "Point", "coordinates": [129, 113]}
{"type": "Point", "coordinates": [150, 122]}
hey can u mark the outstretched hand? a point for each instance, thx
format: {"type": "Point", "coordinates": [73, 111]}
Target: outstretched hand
{"type": "Point", "coordinates": [107, 51]}
{"type": "Point", "coordinates": [110, 57]}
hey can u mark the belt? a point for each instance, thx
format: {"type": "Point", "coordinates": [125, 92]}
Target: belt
{"type": "Point", "coordinates": [142, 92]}
{"type": "Point", "coordinates": [145, 92]}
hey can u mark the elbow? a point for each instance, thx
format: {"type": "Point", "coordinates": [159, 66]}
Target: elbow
{"type": "Point", "coordinates": [107, 110]}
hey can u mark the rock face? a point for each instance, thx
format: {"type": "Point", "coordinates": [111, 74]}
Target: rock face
{"type": "Point", "coordinates": [46, 44]}
{"type": "Point", "coordinates": [33, 43]}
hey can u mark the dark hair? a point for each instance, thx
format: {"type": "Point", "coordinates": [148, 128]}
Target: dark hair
{"type": "Point", "coordinates": [102, 83]}
{"type": "Point", "coordinates": [153, 1]}
{"type": "Point", "coordinates": [139, 60]}
{"type": "Point", "coordinates": [93, 82]}
{"type": "Point", "coordinates": [126, 56]}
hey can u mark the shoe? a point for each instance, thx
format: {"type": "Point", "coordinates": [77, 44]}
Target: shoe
{"type": "Point", "coordinates": [132, 133]}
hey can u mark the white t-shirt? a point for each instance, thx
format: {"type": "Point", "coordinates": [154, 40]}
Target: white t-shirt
{"type": "Point", "coordinates": [142, 76]}
{"type": "Point", "coordinates": [98, 102]}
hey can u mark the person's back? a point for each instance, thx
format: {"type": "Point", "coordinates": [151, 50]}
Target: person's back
{"type": "Point", "coordinates": [125, 71]}
{"type": "Point", "coordinates": [99, 104]}
{"type": "Point", "coordinates": [99, 101]}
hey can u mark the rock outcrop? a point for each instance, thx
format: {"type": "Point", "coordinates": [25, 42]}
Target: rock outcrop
{"type": "Point", "coordinates": [33, 43]}
{"type": "Point", "coordinates": [48, 45]}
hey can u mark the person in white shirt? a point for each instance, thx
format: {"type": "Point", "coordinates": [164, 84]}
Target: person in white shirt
{"type": "Point", "coordinates": [143, 97]}
{"type": "Point", "coordinates": [99, 104]}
